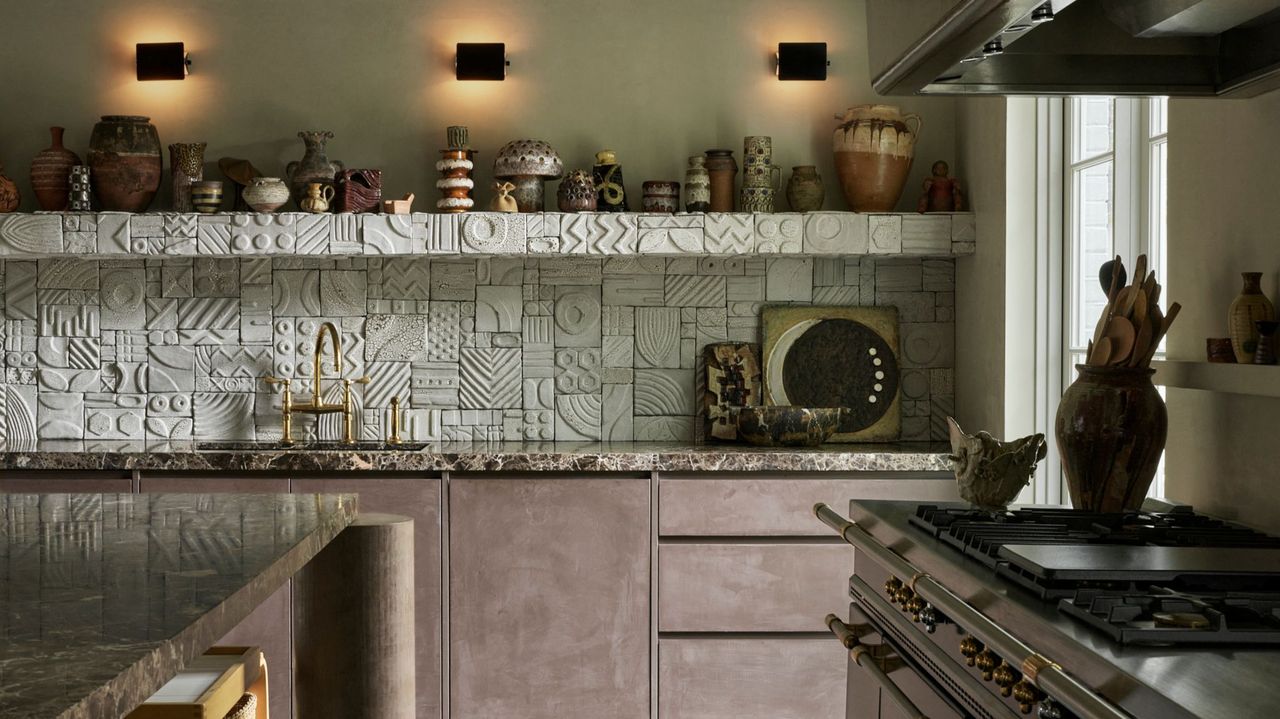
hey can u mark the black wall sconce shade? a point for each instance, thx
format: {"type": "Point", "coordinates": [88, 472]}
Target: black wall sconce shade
{"type": "Point", "coordinates": [162, 61]}
{"type": "Point", "coordinates": [802, 61]}
{"type": "Point", "coordinates": [481, 61]}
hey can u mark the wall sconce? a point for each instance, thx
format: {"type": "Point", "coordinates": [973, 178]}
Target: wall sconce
{"type": "Point", "coordinates": [481, 61]}
{"type": "Point", "coordinates": [802, 61]}
{"type": "Point", "coordinates": [162, 61]}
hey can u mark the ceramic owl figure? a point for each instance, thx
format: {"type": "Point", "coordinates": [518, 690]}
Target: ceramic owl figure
{"type": "Point", "coordinates": [991, 473]}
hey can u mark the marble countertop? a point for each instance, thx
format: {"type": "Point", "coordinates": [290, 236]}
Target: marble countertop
{"type": "Point", "coordinates": [104, 597]}
{"type": "Point", "coordinates": [480, 457]}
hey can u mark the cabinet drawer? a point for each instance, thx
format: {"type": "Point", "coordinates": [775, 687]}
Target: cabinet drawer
{"type": "Point", "coordinates": [751, 679]}
{"type": "Point", "coordinates": [750, 587]}
{"type": "Point", "coordinates": [747, 505]}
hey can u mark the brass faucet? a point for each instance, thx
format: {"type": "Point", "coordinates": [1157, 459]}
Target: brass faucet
{"type": "Point", "coordinates": [316, 405]}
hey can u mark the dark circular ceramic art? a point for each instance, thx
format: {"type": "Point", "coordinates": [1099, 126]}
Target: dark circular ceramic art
{"type": "Point", "coordinates": [842, 363]}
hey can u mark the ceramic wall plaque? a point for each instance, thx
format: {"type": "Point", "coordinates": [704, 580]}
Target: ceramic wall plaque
{"type": "Point", "coordinates": [733, 380]}
{"type": "Point", "coordinates": [836, 357]}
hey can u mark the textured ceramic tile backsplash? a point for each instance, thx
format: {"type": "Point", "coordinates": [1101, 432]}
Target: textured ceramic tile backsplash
{"type": "Point", "coordinates": [487, 349]}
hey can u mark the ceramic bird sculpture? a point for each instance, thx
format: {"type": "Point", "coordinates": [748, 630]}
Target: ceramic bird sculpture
{"type": "Point", "coordinates": [990, 473]}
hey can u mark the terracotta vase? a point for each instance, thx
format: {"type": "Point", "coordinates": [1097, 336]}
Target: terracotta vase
{"type": "Point", "coordinates": [186, 165]}
{"type": "Point", "coordinates": [697, 185]}
{"type": "Point", "coordinates": [805, 191]}
{"type": "Point", "coordinates": [874, 146]}
{"type": "Point", "coordinates": [1250, 307]}
{"type": "Point", "coordinates": [577, 192]}
{"type": "Point", "coordinates": [51, 174]}
{"type": "Point", "coordinates": [1111, 427]}
{"type": "Point", "coordinates": [723, 170]}
{"type": "Point", "coordinates": [125, 162]}
{"type": "Point", "coordinates": [266, 194]}
{"type": "Point", "coordinates": [660, 196]}
{"type": "Point", "coordinates": [10, 198]}
{"type": "Point", "coordinates": [315, 165]}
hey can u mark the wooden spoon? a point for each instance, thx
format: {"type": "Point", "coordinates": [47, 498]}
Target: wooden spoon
{"type": "Point", "coordinates": [1122, 336]}
{"type": "Point", "coordinates": [1139, 315]}
{"type": "Point", "coordinates": [1141, 344]}
{"type": "Point", "coordinates": [1140, 270]}
{"type": "Point", "coordinates": [1101, 353]}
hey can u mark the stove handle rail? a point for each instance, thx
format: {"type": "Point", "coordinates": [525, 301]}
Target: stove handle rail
{"type": "Point", "coordinates": [1043, 673]}
{"type": "Point", "coordinates": [872, 659]}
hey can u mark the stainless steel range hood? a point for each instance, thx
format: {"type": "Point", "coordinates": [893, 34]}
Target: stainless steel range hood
{"type": "Point", "coordinates": [1193, 48]}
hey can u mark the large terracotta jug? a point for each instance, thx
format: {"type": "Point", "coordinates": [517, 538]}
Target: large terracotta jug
{"type": "Point", "coordinates": [874, 146]}
{"type": "Point", "coordinates": [125, 162]}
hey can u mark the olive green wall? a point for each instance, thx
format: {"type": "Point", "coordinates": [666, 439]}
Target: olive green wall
{"type": "Point", "coordinates": [655, 80]}
{"type": "Point", "coordinates": [1222, 454]}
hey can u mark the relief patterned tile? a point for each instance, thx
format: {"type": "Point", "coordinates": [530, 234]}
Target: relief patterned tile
{"type": "Point", "coordinates": [489, 378]}
{"type": "Point", "coordinates": [726, 233]}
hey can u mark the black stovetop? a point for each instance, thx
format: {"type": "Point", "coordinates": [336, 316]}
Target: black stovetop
{"type": "Point", "coordinates": [1155, 577]}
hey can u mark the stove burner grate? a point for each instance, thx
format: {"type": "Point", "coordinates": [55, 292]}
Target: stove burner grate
{"type": "Point", "coordinates": [1160, 615]}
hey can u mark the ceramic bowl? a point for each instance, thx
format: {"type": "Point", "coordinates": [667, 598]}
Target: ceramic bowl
{"type": "Point", "coordinates": [787, 426]}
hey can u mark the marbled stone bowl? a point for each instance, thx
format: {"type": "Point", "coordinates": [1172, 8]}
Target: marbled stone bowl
{"type": "Point", "coordinates": [787, 426]}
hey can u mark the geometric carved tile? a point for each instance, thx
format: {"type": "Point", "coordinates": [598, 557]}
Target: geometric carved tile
{"type": "Point", "coordinates": [387, 380]}
{"type": "Point", "coordinates": [342, 293]}
{"type": "Point", "coordinates": [498, 309]}
{"type": "Point", "coordinates": [578, 417]}
{"type": "Point", "coordinates": [263, 233]}
{"type": "Point", "coordinates": [489, 378]}
{"type": "Point", "coordinates": [779, 232]}
{"type": "Point", "coordinates": [123, 293]}
{"type": "Point", "coordinates": [617, 413]}
{"type": "Point", "coordinates": [577, 371]}
{"type": "Point", "coordinates": [577, 316]}
{"type": "Point", "coordinates": [661, 392]}
{"type": "Point", "coordinates": [296, 293]}
{"type": "Point", "coordinates": [217, 277]}
{"type": "Point", "coordinates": [395, 337]}
{"type": "Point", "coordinates": [729, 233]}
{"type": "Point", "coordinates": [223, 415]}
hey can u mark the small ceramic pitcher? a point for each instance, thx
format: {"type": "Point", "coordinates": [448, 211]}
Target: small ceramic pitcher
{"type": "Point", "coordinates": [318, 196]}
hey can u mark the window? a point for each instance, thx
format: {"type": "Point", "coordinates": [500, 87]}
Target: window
{"type": "Point", "coordinates": [1115, 163]}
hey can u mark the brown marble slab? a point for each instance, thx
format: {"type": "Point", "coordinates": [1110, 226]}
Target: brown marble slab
{"type": "Point", "coordinates": [483, 457]}
{"type": "Point", "coordinates": [104, 597]}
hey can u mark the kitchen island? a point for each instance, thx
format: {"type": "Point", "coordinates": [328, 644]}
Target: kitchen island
{"type": "Point", "coordinates": [104, 597]}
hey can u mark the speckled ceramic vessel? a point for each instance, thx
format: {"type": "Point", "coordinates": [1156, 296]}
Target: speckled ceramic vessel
{"type": "Point", "coordinates": [787, 426]}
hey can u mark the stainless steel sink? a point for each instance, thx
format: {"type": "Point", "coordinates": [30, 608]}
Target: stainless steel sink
{"type": "Point", "coordinates": [312, 446]}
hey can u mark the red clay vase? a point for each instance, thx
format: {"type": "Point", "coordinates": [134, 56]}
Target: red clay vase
{"type": "Point", "coordinates": [1111, 428]}
{"type": "Point", "coordinates": [51, 174]}
{"type": "Point", "coordinates": [125, 162]}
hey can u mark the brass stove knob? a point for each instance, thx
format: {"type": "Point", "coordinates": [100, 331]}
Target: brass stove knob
{"type": "Point", "coordinates": [914, 606]}
{"type": "Point", "coordinates": [891, 586]}
{"type": "Point", "coordinates": [1005, 677]}
{"type": "Point", "coordinates": [987, 661]}
{"type": "Point", "coordinates": [903, 595]}
{"type": "Point", "coordinates": [1027, 695]}
{"type": "Point", "coordinates": [970, 647]}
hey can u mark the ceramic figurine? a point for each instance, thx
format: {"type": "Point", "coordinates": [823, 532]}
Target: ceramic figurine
{"type": "Point", "coordinates": [455, 167]}
{"type": "Point", "coordinates": [527, 164]}
{"type": "Point", "coordinates": [990, 473]}
{"type": "Point", "coordinates": [805, 192]}
{"type": "Point", "coordinates": [266, 194]}
{"type": "Point", "coordinates": [124, 154]}
{"type": "Point", "coordinates": [315, 165]}
{"type": "Point", "coordinates": [577, 192]}
{"type": "Point", "coordinates": [80, 197]}
{"type": "Point", "coordinates": [206, 196]}
{"type": "Point", "coordinates": [402, 206]}
{"type": "Point", "coordinates": [874, 146]}
{"type": "Point", "coordinates": [359, 191]}
{"type": "Point", "coordinates": [723, 170]}
{"type": "Point", "coordinates": [608, 177]}
{"type": "Point", "coordinates": [241, 174]}
{"type": "Point", "coordinates": [503, 201]}
{"type": "Point", "coordinates": [51, 173]}
{"type": "Point", "coordinates": [660, 196]}
{"type": "Point", "coordinates": [697, 185]}
{"type": "Point", "coordinates": [1248, 308]}
{"type": "Point", "coordinates": [10, 198]}
{"type": "Point", "coordinates": [318, 197]}
{"type": "Point", "coordinates": [186, 165]}
{"type": "Point", "coordinates": [941, 192]}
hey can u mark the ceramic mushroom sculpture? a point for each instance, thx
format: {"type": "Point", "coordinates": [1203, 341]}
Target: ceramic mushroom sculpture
{"type": "Point", "coordinates": [991, 473]}
{"type": "Point", "coordinates": [527, 164]}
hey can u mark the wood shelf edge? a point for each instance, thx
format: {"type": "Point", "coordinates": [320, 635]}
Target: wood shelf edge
{"type": "Point", "coordinates": [1224, 378]}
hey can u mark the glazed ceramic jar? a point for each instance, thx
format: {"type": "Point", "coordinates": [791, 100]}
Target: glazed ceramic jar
{"type": "Point", "coordinates": [723, 171]}
{"type": "Point", "coordinates": [317, 198]}
{"type": "Point", "coordinates": [611, 192]}
{"type": "Point", "coordinates": [315, 165]}
{"type": "Point", "coordinates": [697, 185]}
{"type": "Point", "coordinates": [874, 146]}
{"type": "Point", "coordinates": [577, 192]}
{"type": "Point", "coordinates": [206, 196]}
{"type": "Point", "coordinates": [1250, 307]}
{"type": "Point", "coordinates": [125, 162]}
{"type": "Point", "coordinates": [660, 196]}
{"type": "Point", "coordinates": [51, 174]}
{"type": "Point", "coordinates": [805, 192]}
{"type": "Point", "coordinates": [186, 165]}
{"type": "Point", "coordinates": [266, 194]}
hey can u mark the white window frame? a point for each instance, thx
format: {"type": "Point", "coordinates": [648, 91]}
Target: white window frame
{"type": "Point", "coordinates": [1137, 206]}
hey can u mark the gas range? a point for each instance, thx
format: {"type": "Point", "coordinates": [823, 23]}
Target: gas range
{"type": "Point", "coordinates": [1153, 577]}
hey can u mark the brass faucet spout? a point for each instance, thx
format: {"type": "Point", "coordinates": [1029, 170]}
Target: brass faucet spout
{"type": "Point", "coordinates": [318, 398]}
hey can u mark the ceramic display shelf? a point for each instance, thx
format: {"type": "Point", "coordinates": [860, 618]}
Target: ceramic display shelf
{"type": "Point", "coordinates": [1224, 378]}
{"type": "Point", "coordinates": [110, 235]}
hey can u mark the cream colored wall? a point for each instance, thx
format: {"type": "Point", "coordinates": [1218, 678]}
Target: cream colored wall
{"type": "Point", "coordinates": [655, 80]}
{"type": "Point", "coordinates": [1222, 454]}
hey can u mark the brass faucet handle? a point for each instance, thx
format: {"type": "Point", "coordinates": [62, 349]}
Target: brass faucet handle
{"type": "Point", "coordinates": [361, 380]}
{"type": "Point", "coordinates": [272, 379]}
{"type": "Point", "coordinates": [393, 433]}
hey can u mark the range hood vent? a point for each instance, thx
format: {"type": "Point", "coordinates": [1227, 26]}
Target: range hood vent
{"type": "Point", "coordinates": [1188, 48]}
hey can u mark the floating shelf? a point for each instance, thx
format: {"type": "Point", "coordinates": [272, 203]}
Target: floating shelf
{"type": "Point", "coordinates": [108, 235]}
{"type": "Point", "coordinates": [1244, 379]}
